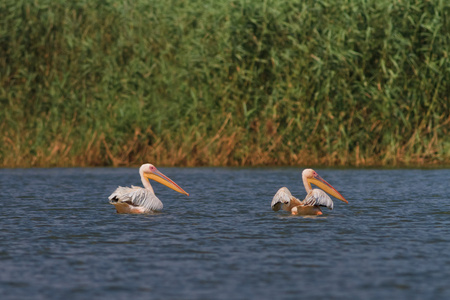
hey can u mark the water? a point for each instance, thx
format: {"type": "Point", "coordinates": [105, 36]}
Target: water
{"type": "Point", "coordinates": [59, 237]}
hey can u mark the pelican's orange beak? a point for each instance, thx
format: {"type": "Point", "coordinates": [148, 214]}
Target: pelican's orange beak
{"type": "Point", "coordinates": [163, 179]}
{"type": "Point", "coordinates": [321, 183]}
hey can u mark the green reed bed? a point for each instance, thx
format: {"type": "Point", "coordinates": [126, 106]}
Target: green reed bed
{"type": "Point", "coordinates": [212, 82]}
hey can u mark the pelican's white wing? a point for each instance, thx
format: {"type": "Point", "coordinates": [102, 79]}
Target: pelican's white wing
{"type": "Point", "coordinates": [136, 196]}
{"type": "Point", "coordinates": [284, 199]}
{"type": "Point", "coordinates": [318, 197]}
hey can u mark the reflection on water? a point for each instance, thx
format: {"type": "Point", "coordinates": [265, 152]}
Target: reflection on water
{"type": "Point", "coordinates": [61, 238]}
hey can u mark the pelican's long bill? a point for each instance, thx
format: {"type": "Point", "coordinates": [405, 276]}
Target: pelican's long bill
{"type": "Point", "coordinates": [321, 183]}
{"type": "Point", "coordinates": [163, 179]}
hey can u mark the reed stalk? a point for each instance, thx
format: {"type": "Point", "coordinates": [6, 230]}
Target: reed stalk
{"type": "Point", "coordinates": [215, 82]}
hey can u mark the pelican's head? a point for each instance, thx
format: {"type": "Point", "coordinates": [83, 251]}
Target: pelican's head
{"type": "Point", "coordinates": [311, 176]}
{"type": "Point", "coordinates": [149, 171]}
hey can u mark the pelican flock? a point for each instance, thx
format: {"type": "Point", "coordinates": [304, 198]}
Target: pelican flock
{"type": "Point", "coordinates": [315, 198]}
{"type": "Point", "coordinates": [137, 200]}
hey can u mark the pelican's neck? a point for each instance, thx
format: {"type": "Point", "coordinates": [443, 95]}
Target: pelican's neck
{"type": "Point", "coordinates": [145, 182]}
{"type": "Point", "coordinates": [306, 184]}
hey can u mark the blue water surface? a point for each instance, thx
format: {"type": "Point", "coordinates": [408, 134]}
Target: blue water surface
{"type": "Point", "coordinates": [61, 239]}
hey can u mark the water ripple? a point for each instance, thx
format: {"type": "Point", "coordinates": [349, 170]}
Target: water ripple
{"type": "Point", "coordinates": [61, 238]}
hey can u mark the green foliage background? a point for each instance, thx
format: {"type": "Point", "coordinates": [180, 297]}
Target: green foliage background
{"type": "Point", "coordinates": [215, 82]}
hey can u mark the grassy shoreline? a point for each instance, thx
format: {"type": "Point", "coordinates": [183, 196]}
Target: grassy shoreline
{"type": "Point", "coordinates": [224, 83]}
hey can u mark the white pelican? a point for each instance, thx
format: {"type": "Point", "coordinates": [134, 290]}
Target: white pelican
{"type": "Point", "coordinates": [314, 199]}
{"type": "Point", "coordinates": [137, 200]}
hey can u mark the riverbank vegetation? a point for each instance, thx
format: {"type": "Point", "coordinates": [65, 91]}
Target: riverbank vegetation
{"type": "Point", "coordinates": [215, 82]}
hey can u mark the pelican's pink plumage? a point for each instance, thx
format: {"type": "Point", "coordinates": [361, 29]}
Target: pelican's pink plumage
{"type": "Point", "coordinates": [314, 198]}
{"type": "Point", "coordinates": [136, 200]}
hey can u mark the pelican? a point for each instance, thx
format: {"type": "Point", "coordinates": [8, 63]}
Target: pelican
{"type": "Point", "coordinates": [137, 200]}
{"type": "Point", "coordinates": [314, 198]}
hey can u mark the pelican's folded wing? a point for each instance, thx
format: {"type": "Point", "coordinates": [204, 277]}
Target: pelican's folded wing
{"type": "Point", "coordinates": [319, 198]}
{"type": "Point", "coordinates": [284, 199]}
{"type": "Point", "coordinates": [136, 196]}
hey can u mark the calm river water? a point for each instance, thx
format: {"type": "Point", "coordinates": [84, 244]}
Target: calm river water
{"type": "Point", "coordinates": [60, 239]}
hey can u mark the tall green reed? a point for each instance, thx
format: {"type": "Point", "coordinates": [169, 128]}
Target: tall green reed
{"type": "Point", "coordinates": [224, 82]}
